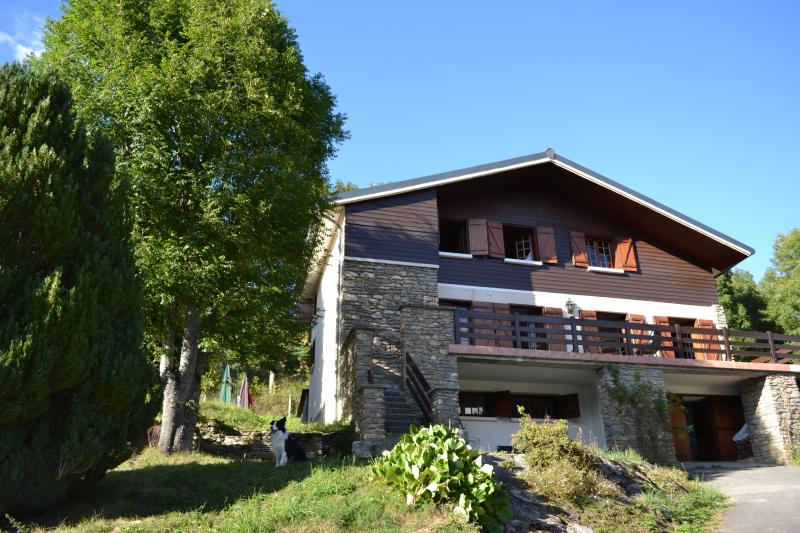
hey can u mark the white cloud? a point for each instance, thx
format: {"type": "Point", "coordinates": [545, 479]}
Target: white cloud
{"type": "Point", "coordinates": [27, 35]}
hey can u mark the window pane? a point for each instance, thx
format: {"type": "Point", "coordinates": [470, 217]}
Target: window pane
{"type": "Point", "coordinates": [453, 236]}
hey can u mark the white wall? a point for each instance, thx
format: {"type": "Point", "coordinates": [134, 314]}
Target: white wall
{"type": "Point", "coordinates": [486, 433]}
{"type": "Point", "coordinates": [648, 308]}
{"type": "Point", "coordinates": [322, 405]}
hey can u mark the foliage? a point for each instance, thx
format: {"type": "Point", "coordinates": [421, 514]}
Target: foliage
{"type": "Point", "coordinates": [781, 283]}
{"type": "Point", "coordinates": [744, 302]}
{"type": "Point", "coordinates": [569, 475]}
{"type": "Point", "coordinates": [643, 408]}
{"type": "Point", "coordinates": [434, 464]}
{"type": "Point", "coordinates": [224, 136]}
{"type": "Point", "coordinates": [344, 186]}
{"type": "Point", "coordinates": [73, 378]}
{"type": "Point", "coordinates": [198, 492]}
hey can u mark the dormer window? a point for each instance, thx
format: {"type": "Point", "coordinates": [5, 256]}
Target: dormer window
{"type": "Point", "coordinates": [600, 254]}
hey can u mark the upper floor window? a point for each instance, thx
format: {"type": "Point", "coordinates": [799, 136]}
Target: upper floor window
{"type": "Point", "coordinates": [600, 254]}
{"type": "Point", "coordinates": [453, 236]}
{"type": "Point", "coordinates": [519, 243]}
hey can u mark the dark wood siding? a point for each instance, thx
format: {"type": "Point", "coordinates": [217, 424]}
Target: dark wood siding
{"type": "Point", "coordinates": [397, 228]}
{"type": "Point", "coordinates": [662, 275]}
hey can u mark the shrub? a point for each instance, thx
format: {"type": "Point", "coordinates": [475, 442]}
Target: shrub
{"type": "Point", "coordinates": [73, 377]}
{"type": "Point", "coordinates": [545, 443]}
{"type": "Point", "coordinates": [435, 464]}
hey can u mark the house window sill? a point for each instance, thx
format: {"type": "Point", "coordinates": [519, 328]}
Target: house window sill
{"type": "Point", "coordinates": [454, 255]}
{"type": "Point", "coordinates": [522, 262]}
{"type": "Point", "coordinates": [605, 270]}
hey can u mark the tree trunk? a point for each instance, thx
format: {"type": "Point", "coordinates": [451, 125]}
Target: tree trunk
{"type": "Point", "coordinates": [182, 391]}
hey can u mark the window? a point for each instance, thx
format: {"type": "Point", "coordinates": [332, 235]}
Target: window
{"type": "Point", "coordinates": [537, 406]}
{"type": "Point", "coordinates": [453, 236]}
{"type": "Point", "coordinates": [519, 243]}
{"type": "Point", "coordinates": [599, 253]}
{"type": "Point", "coordinates": [473, 403]}
{"type": "Point", "coordinates": [463, 320]}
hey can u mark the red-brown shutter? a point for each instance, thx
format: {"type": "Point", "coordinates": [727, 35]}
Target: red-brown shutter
{"type": "Point", "coordinates": [591, 348]}
{"type": "Point", "coordinates": [502, 405]}
{"type": "Point", "coordinates": [478, 237]}
{"type": "Point", "coordinates": [484, 307]}
{"type": "Point", "coordinates": [496, 245]}
{"type": "Point", "coordinates": [556, 341]}
{"type": "Point", "coordinates": [702, 341]}
{"type": "Point", "coordinates": [580, 256]}
{"type": "Point", "coordinates": [664, 321]}
{"type": "Point", "coordinates": [568, 406]}
{"type": "Point", "coordinates": [636, 319]}
{"type": "Point", "coordinates": [624, 254]}
{"type": "Point", "coordinates": [546, 244]}
{"type": "Point", "coordinates": [504, 309]}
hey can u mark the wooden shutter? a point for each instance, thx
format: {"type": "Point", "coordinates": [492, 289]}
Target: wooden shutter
{"type": "Point", "coordinates": [702, 341]}
{"type": "Point", "coordinates": [592, 348]}
{"type": "Point", "coordinates": [664, 321]}
{"type": "Point", "coordinates": [496, 245]}
{"type": "Point", "coordinates": [488, 329]}
{"type": "Point", "coordinates": [637, 319]}
{"type": "Point", "coordinates": [568, 406]}
{"type": "Point", "coordinates": [478, 237]}
{"type": "Point", "coordinates": [502, 404]}
{"type": "Point", "coordinates": [556, 341]}
{"type": "Point", "coordinates": [580, 256]}
{"type": "Point", "coordinates": [546, 245]}
{"type": "Point", "coordinates": [624, 254]}
{"type": "Point", "coordinates": [504, 309]}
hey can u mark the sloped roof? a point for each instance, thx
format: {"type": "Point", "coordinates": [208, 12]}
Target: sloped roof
{"type": "Point", "coordinates": [541, 158]}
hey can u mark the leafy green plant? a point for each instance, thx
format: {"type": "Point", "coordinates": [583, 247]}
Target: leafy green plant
{"type": "Point", "coordinates": [435, 464]}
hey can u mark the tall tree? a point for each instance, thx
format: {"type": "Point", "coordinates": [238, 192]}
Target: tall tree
{"type": "Point", "coordinates": [224, 136]}
{"type": "Point", "coordinates": [744, 303]}
{"type": "Point", "coordinates": [73, 376]}
{"type": "Point", "coordinates": [781, 283]}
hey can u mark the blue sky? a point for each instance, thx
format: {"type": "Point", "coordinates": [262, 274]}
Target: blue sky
{"type": "Point", "coordinates": [696, 104]}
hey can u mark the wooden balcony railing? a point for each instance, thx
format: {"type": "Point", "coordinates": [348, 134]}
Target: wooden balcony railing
{"type": "Point", "coordinates": [534, 332]}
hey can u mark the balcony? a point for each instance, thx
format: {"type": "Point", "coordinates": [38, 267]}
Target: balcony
{"type": "Point", "coordinates": [489, 333]}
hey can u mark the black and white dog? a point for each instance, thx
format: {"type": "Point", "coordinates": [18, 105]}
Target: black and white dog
{"type": "Point", "coordinates": [284, 447]}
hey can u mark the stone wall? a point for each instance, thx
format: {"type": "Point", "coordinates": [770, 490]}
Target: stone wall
{"type": "Point", "coordinates": [218, 439]}
{"type": "Point", "coordinates": [627, 424]}
{"type": "Point", "coordinates": [346, 385]}
{"type": "Point", "coordinates": [772, 412]}
{"type": "Point", "coordinates": [373, 295]}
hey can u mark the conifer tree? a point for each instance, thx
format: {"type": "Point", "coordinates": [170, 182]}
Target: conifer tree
{"type": "Point", "coordinates": [73, 377]}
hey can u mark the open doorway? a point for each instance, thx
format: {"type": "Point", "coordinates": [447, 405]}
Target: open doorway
{"type": "Point", "coordinates": [703, 427]}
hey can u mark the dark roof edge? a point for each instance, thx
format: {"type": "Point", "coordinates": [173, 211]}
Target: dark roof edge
{"type": "Point", "coordinates": [433, 180]}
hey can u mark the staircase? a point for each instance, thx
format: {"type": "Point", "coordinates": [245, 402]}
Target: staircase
{"type": "Point", "coordinates": [400, 411]}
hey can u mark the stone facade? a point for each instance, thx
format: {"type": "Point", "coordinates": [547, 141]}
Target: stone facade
{"type": "Point", "coordinates": [373, 297]}
{"type": "Point", "coordinates": [721, 320]}
{"type": "Point", "coordinates": [772, 411]}
{"type": "Point", "coordinates": [626, 426]}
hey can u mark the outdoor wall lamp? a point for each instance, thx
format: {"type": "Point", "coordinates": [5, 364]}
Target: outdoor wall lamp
{"type": "Point", "coordinates": [570, 307]}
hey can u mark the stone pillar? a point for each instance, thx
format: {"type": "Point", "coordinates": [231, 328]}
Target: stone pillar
{"type": "Point", "coordinates": [445, 407]}
{"type": "Point", "coordinates": [772, 412]}
{"type": "Point", "coordinates": [373, 417]}
{"type": "Point", "coordinates": [626, 395]}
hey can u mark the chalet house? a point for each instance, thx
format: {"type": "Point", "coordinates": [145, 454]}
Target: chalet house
{"type": "Point", "coordinates": [535, 282]}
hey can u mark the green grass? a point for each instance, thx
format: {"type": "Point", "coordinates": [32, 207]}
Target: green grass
{"type": "Point", "coordinates": [248, 420]}
{"type": "Point", "coordinates": [198, 492]}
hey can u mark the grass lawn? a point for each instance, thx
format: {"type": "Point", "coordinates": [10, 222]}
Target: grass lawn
{"type": "Point", "coordinates": [198, 492]}
{"type": "Point", "coordinates": [246, 419]}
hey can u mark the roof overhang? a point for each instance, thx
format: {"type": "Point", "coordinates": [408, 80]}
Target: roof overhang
{"type": "Point", "coordinates": [543, 158]}
{"type": "Point", "coordinates": [332, 223]}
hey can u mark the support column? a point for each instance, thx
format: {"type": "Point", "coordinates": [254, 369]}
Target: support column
{"type": "Point", "coordinates": [633, 404]}
{"type": "Point", "coordinates": [373, 419]}
{"type": "Point", "coordinates": [445, 406]}
{"type": "Point", "coordinates": [772, 412]}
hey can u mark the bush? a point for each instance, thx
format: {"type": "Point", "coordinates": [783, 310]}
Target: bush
{"type": "Point", "coordinates": [73, 377]}
{"type": "Point", "coordinates": [435, 464]}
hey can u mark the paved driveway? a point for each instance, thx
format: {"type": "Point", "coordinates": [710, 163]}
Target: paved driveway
{"type": "Point", "coordinates": [765, 499]}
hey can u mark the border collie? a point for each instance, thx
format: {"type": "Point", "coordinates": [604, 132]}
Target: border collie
{"type": "Point", "coordinates": [284, 447]}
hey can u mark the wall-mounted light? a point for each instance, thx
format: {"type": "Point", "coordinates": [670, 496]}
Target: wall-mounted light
{"type": "Point", "coordinates": [570, 307]}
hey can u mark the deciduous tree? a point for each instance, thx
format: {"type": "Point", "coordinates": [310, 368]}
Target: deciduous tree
{"type": "Point", "coordinates": [781, 283]}
{"type": "Point", "coordinates": [224, 135]}
{"type": "Point", "coordinates": [744, 303]}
